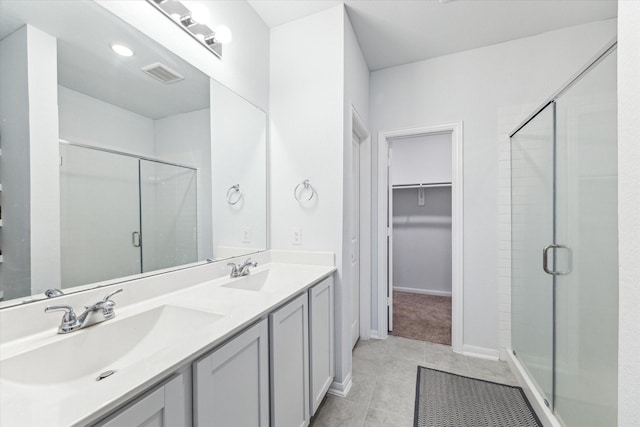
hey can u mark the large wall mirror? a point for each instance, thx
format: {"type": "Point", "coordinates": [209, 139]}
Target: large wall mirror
{"type": "Point", "coordinates": [115, 166]}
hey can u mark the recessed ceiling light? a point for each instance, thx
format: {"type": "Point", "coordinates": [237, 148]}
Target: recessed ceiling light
{"type": "Point", "coordinates": [121, 50]}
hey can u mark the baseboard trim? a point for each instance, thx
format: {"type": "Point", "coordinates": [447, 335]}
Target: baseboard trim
{"type": "Point", "coordinates": [422, 291]}
{"type": "Point", "coordinates": [535, 398]}
{"type": "Point", "coordinates": [374, 335]}
{"type": "Point", "coordinates": [480, 352]}
{"type": "Point", "coordinates": [341, 389]}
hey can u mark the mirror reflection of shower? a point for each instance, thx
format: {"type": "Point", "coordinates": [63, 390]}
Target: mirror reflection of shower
{"type": "Point", "coordinates": [147, 210]}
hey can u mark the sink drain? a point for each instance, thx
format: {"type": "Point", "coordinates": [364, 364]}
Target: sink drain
{"type": "Point", "coordinates": [105, 374]}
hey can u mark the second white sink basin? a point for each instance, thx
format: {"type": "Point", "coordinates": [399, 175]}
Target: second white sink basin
{"type": "Point", "coordinates": [112, 345]}
{"type": "Point", "coordinates": [263, 281]}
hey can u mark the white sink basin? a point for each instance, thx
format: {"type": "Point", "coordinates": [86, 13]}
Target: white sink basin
{"type": "Point", "coordinates": [262, 281]}
{"type": "Point", "coordinates": [112, 345]}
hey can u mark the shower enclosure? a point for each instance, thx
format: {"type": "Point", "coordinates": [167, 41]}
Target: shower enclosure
{"type": "Point", "coordinates": [123, 215]}
{"type": "Point", "coordinates": [564, 247]}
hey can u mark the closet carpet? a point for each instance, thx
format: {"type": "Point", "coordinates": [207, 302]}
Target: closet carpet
{"type": "Point", "coordinates": [422, 317]}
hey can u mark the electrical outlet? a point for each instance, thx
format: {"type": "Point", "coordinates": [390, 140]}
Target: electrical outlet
{"type": "Point", "coordinates": [297, 236]}
{"type": "Point", "coordinates": [246, 235]}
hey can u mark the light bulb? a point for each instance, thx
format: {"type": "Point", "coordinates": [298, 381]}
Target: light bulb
{"type": "Point", "coordinates": [223, 34]}
{"type": "Point", "coordinates": [200, 13]}
{"type": "Point", "coordinates": [121, 50]}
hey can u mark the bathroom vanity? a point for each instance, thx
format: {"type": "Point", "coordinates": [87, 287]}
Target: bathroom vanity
{"type": "Point", "coordinates": [206, 350]}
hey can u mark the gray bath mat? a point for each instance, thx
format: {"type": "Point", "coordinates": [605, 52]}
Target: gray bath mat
{"type": "Point", "coordinates": [449, 400]}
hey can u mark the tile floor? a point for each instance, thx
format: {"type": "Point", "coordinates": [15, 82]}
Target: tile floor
{"type": "Point", "coordinates": [384, 381]}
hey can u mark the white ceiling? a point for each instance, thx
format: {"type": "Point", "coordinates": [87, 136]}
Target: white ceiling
{"type": "Point", "coordinates": [395, 32]}
{"type": "Point", "coordinates": [86, 63]}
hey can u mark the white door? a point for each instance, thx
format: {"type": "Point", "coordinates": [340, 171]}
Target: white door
{"type": "Point", "coordinates": [355, 238]}
{"type": "Point", "coordinates": [389, 244]}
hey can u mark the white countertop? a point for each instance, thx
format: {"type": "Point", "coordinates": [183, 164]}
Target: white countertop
{"type": "Point", "coordinates": [84, 400]}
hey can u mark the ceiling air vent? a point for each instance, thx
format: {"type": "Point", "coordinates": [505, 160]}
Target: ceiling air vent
{"type": "Point", "coordinates": [163, 73]}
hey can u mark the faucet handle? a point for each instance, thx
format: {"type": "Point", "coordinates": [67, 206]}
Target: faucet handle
{"type": "Point", "coordinates": [69, 319]}
{"type": "Point", "coordinates": [69, 314]}
{"type": "Point", "coordinates": [248, 262]}
{"type": "Point", "coordinates": [107, 299]}
{"type": "Point", "coordinates": [107, 304]}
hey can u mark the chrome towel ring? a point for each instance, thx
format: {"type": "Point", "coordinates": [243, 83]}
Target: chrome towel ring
{"type": "Point", "coordinates": [234, 194]}
{"type": "Point", "coordinates": [306, 187]}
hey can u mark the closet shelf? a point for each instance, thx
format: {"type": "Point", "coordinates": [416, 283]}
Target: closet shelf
{"type": "Point", "coordinates": [424, 185]}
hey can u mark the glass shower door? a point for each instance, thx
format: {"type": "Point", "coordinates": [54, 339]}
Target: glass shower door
{"type": "Point", "coordinates": [586, 223]}
{"type": "Point", "coordinates": [99, 214]}
{"type": "Point", "coordinates": [168, 202]}
{"type": "Point", "coordinates": [532, 206]}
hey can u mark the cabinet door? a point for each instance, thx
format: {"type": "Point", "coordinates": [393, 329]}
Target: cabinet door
{"type": "Point", "coordinates": [231, 385]}
{"type": "Point", "coordinates": [320, 341]}
{"type": "Point", "coordinates": [289, 361]}
{"type": "Point", "coordinates": [163, 407]}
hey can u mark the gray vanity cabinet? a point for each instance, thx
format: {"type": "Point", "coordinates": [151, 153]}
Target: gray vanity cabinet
{"type": "Point", "coordinates": [321, 355]}
{"type": "Point", "coordinates": [289, 362]}
{"type": "Point", "coordinates": [275, 373]}
{"type": "Point", "coordinates": [167, 405]}
{"type": "Point", "coordinates": [231, 384]}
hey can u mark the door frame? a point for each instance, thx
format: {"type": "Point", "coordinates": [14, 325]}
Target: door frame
{"type": "Point", "coordinates": [457, 279]}
{"type": "Point", "coordinates": [366, 225]}
{"type": "Point", "coordinates": [355, 232]}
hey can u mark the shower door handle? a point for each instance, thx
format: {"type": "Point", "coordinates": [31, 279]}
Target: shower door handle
{"type": "Point", "coordinates": [136, 239]}
{"type": "Point", "coordinates": [545, 260]}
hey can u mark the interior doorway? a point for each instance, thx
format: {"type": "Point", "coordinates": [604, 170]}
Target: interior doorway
{"type": "Point", "coordinates": [420, 257]}
{"type": "Point", "coordinates": [444, 190]}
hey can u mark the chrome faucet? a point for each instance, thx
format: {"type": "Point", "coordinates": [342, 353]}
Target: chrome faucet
{"type": "Point", "coordinates": [71, 322]}
{"type": "Point", "coordinates": [241, 270]}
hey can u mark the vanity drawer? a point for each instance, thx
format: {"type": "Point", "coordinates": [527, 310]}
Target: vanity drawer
{"type": "Point", "coordinates": [168, 405]}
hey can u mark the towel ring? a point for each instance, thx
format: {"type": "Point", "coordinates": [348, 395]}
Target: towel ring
{"type": "Point", "coordinates": [306, 186]}
{"type": "Point", "coordinates": [234, 189]}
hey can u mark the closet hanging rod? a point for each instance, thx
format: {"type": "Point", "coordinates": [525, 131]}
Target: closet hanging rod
{"type": "Point", "coordinates": [430, 185]}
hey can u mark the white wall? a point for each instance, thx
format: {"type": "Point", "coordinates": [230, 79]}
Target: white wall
{"type": "Point", "coordinates": [628, 208]}
{"type": "Point", "coordinates": [31, 229]}
{"type": "Point", "coordinates": [244, 67]}
{"type": "Point", "coordinates": [421, 160]}
{"type": "Point", "coordinates": [90, 121]}
{"type": "Point", "coordinates": [422, 241]}
{"type": "Point", "coordinates": [45, 175]}
{"type": "Point", "coordinates": [475, 86]}
{"type": "Point", "coordinates": [356, 98]}
{"type": "Point", "coordinates": [238, 155]}
{"type": "Point", "coordinates": [306, 139]}
{"type": "Point", "coordinates": [186, 139]}
{"type": "Point", "coordinates": [14, 172]}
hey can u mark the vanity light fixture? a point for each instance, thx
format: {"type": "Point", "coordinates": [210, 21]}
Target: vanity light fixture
{"type": "Point", "coordinates": [121, 49]}
{"type": "Point", "coordinates": [195, 22]}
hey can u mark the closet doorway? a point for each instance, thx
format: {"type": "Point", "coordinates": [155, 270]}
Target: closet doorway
{"type": "Point", "coordinates": [420, 212]}
{"type": "Point", "coordinates": [420, 233]}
